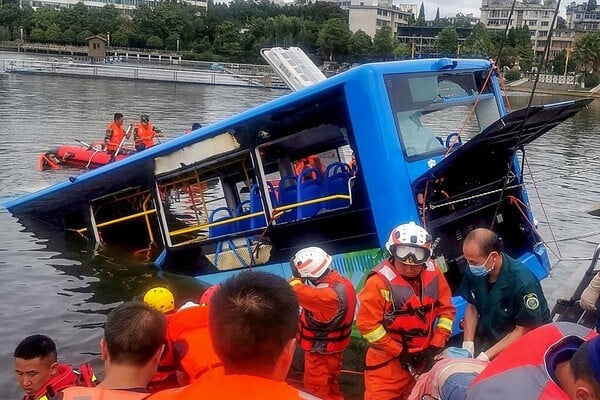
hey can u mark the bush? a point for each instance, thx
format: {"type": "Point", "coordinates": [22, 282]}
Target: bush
{"type": "Point", "coordinates": [591, 80]}
{"type": "Point", "coordinates": [512, 75]}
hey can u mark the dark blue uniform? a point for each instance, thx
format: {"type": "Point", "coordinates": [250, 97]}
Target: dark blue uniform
{"type": "Point", "coordinates": [516, 298]}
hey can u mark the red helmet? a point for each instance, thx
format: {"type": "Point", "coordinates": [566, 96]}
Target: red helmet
{"type": "Point", "coordinates": [208, 293]}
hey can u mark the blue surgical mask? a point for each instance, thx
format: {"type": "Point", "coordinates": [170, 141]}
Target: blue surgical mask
{"type": "Point", "coordinates": [481, 270]}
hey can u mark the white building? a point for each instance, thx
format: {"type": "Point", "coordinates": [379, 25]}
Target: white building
{"type": "Point", "coordinates": [370, 18]}
{"type": "Point", "coordinates": [537, 17]}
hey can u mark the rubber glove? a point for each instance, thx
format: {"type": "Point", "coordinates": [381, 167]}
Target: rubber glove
{"type": "Point", "coordinates": [483, 357]}
{"type": "Point", "coordinates": [469, 345]}
{"type": "Point", "coordinates": [589, 296]}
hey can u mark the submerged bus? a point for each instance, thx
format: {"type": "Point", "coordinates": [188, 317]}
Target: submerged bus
{"type": "Point", "coordinates": [430, 141]}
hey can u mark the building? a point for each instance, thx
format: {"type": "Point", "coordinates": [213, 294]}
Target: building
{"type": "Point", "coordinates": [370, 18]}
{"type": "Point", "coordinates": [97, 46]}
{"type": "Point", "coordinates": [581, 17]}
{"type": "Point", "coordinates": [562, 39]}
{"type": "Point", "coordinates": [537, 16]}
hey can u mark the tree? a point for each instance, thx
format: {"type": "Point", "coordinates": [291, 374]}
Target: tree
{"type": "Point", "coordinates": [447, 41]}
{"type": "Point", "coordinates": [333, 38]}
{"type": "Point", "coordinates": [154, 42]}
{"type": "Point", "coordinates": [436, 21]}
{"type": "Point", "coordinates": [478, 42]}
{"type": "Point", "coordinates": [69, 36]}
{"type": "Point", "coordinates": [53, 34]}
{"type": "Point", "coordinates": [401, 51]}
{"type": "Point", "coordinates": [383, 44]}
{"type": "Point", "coordinates": [360, 46]}
{"type": "Point", "coordinates": [421, 17]}
{"type": "Point", "coordinates": [227, 40]}
{"type": "Point", "coordinates": [37, 35]}
{"type": "Point", "coordinates": [587, 52]}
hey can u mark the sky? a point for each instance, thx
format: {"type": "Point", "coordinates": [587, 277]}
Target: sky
{"type": "Point", "coordinates": [449, 8]}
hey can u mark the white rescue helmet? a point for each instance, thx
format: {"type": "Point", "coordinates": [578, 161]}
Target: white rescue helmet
{"type": "Point", "coordinates": [312, 262]}
{"type": "Point", "coordinates": [409, 243]}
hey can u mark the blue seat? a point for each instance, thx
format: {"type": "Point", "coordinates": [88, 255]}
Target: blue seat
{"type": "Point", "coordinates": [288, 191]}
{"type": "Point", "coordinates": [243, 208]}
{"type": "Point", "coordinates": [309, 189]}
{"type": "Point", "coordinates": [256, 205]}
{"type": "Point", "coordinates": [220, 230]}
{"type": "Point", "coordinates": [337, 176]}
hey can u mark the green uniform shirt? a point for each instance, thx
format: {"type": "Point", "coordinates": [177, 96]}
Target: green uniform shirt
{"type": "Point", "coordinates": [516, 298]}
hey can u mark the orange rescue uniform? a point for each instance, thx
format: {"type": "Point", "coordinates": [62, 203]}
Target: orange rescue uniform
{"type": "Point", "coordinates": [324, 332]}
{"type": "Point", "coordinates": [114, 136]}
{"type": "Point", "coordinates": [231, 387]}
{"type": "Point", "coordinates": [188, 334]}
{"type": "Point", "coordinates": [99, 393]}
{"type": "Point", "coordinates": [166, 374]}
{"type": "Point", "coordinates": [144, 134]}
{"type": "Point", "coordinates": [392, 307]}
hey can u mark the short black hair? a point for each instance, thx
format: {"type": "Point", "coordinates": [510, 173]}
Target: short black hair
{"type": "Point", "coordinates": [486, 239]}
{"type": "Point", "coordinates": [196, 125]}
{"type": "Point", "coordinates": [35, 346]}
{"type": "Point", "coordinates": [134, 332]}
{"type": "Point", "coordinates": [252, 317]}
{"type": "Point", "coordinates": [582, 369]}
{"type": "Point", "coordinates": [117, 116]}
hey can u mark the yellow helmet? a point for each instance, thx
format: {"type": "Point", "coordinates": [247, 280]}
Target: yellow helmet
{"type": "Point", "coordinates": [160, 298]}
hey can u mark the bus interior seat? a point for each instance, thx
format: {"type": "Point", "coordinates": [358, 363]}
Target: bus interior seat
{"type": "Point", "coordinates": [337, 176]}
{"type": "Point", "coordinates": [220, 230]}
{"type": "Point", "coordinates": [256, 205]}
{"type": "Point", "coordinates": [288, 192]}
{"type": "Point", "coordinates": [243, 208]}
{"type": "Point", "coordinates": [309, 189]}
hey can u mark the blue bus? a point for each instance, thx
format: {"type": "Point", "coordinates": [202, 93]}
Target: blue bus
{"type": "Point", "coordinates": [337, 164]}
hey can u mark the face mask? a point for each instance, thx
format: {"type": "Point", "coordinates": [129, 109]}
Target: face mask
{"type": "Point", "coordinates": [480, 270]}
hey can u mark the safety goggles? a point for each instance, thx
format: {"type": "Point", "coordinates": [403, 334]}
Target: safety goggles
{"type": "Point", "coordinates": [411, 255]}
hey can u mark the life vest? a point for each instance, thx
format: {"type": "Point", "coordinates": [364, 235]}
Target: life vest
{"type": "Point", "coordinates": [309, 162]}
{"type": "Point", "coordinates": [166, 373]}
{"type": "Point", "coordinates": [100, 393]}
{"type": "Point", "coordinates": [65, 378]}
{"type": "Point", "coordinates": [410, 319]}
{"type": "Point", "coordinates": [332, 336]}
{"type": "Point", "coordinates": [145, 135]}
{"type": "Point", "coordinates": [116, 136]}
{"type": "Point", "coordinates": [521, 370]}
{"type": "Point", "coordinates": [192, 346]}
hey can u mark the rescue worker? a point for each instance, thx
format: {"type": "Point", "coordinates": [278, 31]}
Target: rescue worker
{"type": "Point", "coordinates": [589, 298]}
{"type": "Point", "coordinates": [115, 134]}
{"type": "Point", "coordinates": [552, 362]}
{"type": "Point", "coordinates": [328, 301]}
{"type": "Point", "coordinates": [505, 300]}
{"type": "Point", "coordinates": [195, 127]}
{"type": "Point", "coordinates": [401, 301]}
{"type": "Point", "coordinates": [253, 319]}
{"type": "Point", "coordinates": [38, 372]}
{"type": "Point", "coordinates": [307, 163]}
{"type": "Point", "coordinates": [144, 133]}
{"type": "Point", "coordinates": [162, 300]}
{"type": "Point", "coordinates": [134, 336]}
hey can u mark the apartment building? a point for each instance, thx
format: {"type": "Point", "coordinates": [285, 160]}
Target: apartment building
{"type": "Point", "coordinates": [582, 17]}
{"type": "Point", "coordinates": [537, 16]}
{"type": "Point", "coordinates": [368, 17]}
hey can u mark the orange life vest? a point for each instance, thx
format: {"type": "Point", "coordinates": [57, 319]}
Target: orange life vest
{"type": "Point", "coordinates": [100, 393]}
{"type": "Point", "coordinates": [166, 373]}
{"type": "Point", "coordinates": [144, 135]}
{"type": "Point", "coordinates": [65, 378]}
{"type": "Point", "coordinates": [332, 336]}
{"type": "Point", "coordinates": [410, 320]}
{"type": "Point", "coordinates": [192, 346]}
{"type": "Point", "coordinates": [116, 136]}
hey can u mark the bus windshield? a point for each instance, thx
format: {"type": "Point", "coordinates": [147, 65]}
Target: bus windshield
{"type": "Point", "coordinates": [430, 109]}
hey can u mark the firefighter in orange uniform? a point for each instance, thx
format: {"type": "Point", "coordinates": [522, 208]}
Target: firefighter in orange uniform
{"type": "Point", "coordinates": [144, 133]}
{"type": "Point", "coordinates": [405, 313]}
{"type": "Point", "coordinates": [114, 133]}
{"type": "Point", "coordinates": [328, 301]}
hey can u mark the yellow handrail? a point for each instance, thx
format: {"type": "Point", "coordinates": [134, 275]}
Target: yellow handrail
{"type": "Point", "coordinates": [117, 220]}
{"type": "Point", "coordinates": [313, 201]}
{"type": "Point", "coordinates": [217, 223]}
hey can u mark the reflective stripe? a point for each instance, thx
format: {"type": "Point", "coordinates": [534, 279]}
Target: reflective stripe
{"type": "Point", "coordinates": [295, 282]}
{"type": "Point", "coordinates": [386, 295]}
{"type": "Point", "coordinates": [445, 323]}
{"type": "Point", "coordinates": [376, 334]}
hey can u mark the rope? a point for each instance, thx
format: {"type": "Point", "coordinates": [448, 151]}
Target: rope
{"type": "Point", "coordinates": [475, 196]}
{"type": "Point", "coordinates": [537, 192]}
{"type": "Point", "coordinates": [503, 86]}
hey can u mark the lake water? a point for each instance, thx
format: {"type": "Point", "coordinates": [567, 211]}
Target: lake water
{"type": "Point", "coordinates": [56, 288]}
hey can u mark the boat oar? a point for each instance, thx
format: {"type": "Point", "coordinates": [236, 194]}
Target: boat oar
{"type": "Point", "coordinates": [125, 137]}
{"type": "Point", "coordinates": [89, 146]}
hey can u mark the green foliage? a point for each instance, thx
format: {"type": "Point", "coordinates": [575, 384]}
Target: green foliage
{"type": "Point", "coordinates": [171, 42]}
{"type": "Point", "coordinates": [587, 52]}
{"type": "Point", "coordinates": [383, 44]}
{"type": "Point", "coordinates": [401, 51]}
{"type": "Point", "coordinates": [478, 43]}
{"type": "Point", "coordinates": [53, 34]}
{"type": "Point", "coordinates": [447, 41]}
{"type": "Point", "coordinates": [512, 75]}
{"type": "Point", "coordinates": [421, 17]}
{"type": "Point", "coordinates": [591, 80]}
{"type": "Point", "coordinates": [360, 46]}
{"type": "Point", "coordinates": [154, 42]}
{"type": "Point", "coordinates": [37, 35]}
{"type": "Point", "coordinates": [333, 38]}
{"type": "Point", "coordinates": [69, 36]}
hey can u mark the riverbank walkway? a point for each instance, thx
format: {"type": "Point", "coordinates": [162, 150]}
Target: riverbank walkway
{"type": "Point", "coordinates": [525, 85]}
